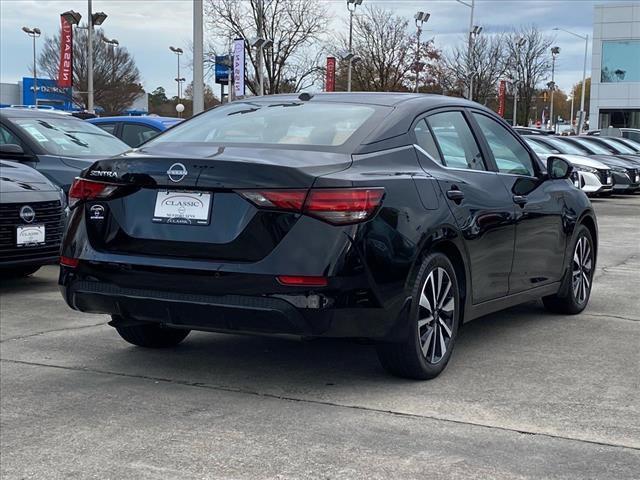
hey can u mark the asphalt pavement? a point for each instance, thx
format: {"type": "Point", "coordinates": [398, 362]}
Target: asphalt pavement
{"type": "Point", "coordinates": [527, 394]}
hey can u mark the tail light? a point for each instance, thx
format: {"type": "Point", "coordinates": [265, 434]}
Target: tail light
{"type": "Point", "coordinates": [302, 281]}
{"type": "Point", "coordinates": [69, 262]}
{"type": "Point", "coordinates": [338, 206]}
{"type": "Point", "coordinates": [83, 189]}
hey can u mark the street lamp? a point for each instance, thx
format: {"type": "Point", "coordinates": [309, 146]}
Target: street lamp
{"type": "Point", "coordinates": [34, 33]}
{"type": "Point", "coordinates": [584, 75]}
{"type": "Point", "coordinates": [261, 44]}
{"type": "Point", "coordinates": [475, 31]}
{"type": "Point", "coordinates": [420, 18]}
{"type": "Point", "coordinates": [520, 42]}
{"type": "Point", "coordinates": [178, 51]}
{"type": "Point", "coordinates": [472, 6]}
{"type": "Point", "coordinates": [552, 84]}
{"type": "Point", "coordinates": [113, 43]}
{"type": "Point", "coordinates": [351, 6]}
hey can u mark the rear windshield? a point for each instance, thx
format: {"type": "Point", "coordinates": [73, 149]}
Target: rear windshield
{"type": "Point", "coordinates": [291, 123]}
{"type": "Point", "coordinates": [68, 136]}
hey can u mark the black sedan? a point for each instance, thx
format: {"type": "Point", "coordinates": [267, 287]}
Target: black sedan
{"type": "Point", "coordinates": [395, 217]}
{"type": "Point", "coordinates": [32, 214]}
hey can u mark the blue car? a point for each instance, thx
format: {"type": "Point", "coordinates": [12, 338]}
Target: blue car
{"type": "Point", "coordinates": [134, 131]}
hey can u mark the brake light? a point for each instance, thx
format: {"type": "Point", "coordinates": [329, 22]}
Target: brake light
{"type": "Point", "coordinates": [83, 189]}
{"type": "Point", "coordinates": [69, 262]}
{"type": "Point", "coordinates": [339, 206]}
{"type": "Point", "coordinates": [302, 281]}
{"type": "Point", "coordinates": [343, 205]}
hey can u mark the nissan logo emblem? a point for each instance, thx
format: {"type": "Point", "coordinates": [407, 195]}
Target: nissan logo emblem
{"type": "Point", "coordinates": [177, 172]}
{"type": "Point", "coordinates": [27, 213]}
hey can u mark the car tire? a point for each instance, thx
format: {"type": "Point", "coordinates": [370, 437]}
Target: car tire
{"type": "Point", "coordinates": [20, 272]}
{"type": "Point", "coordinates": [151, 335]}
{"type": "Point", "coordinates": [432, 332]}
{"type": "Point", "coordinates": [573, 296]}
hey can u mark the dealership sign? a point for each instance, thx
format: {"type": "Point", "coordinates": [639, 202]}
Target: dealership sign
{"type": "Point", "coordinates": [49, 93]}
{"type": "Point", "coordinates": [223, 66]}
{"type": "Point", "coordinates": [501, 97]}
{"type": "Point", "coordinates": [65, 70]}
{"type": "Point", "coordinates": [238, 67]}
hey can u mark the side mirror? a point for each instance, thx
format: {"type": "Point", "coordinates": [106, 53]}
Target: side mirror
{"type": "Point", "coordinates": [11, 149]}
{"type": "Point", "coordinates": [558, 168]}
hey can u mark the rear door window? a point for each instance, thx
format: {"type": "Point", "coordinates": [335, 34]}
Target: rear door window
{"type": "Point", "coordinates": [107, 127]}
{"type": "Point", "coordinates": [134, 134]}
{"type": "Point", "coordinates": [426, 141]}
{"type": "Point", "coordinates": [456, 141]}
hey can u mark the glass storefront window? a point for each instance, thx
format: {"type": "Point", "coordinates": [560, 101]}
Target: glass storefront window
{"type": "Point", "coordinates": [620, 61]}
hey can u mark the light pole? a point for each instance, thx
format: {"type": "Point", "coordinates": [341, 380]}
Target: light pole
{"type": "Point", "coordinates": [582, 113]}
{"type": "Point", "coordinates": [351, 6]}
{"type": "Point", "coordinates": [421, 18]}
{"type": "Point", "coordinates": [552, 85]}
{"type": "Point", "coordinates": [520, 42]}
{"type": "Point", "coordinates": [95, 19]}
{"type": "Point", "coordinates": [34, 33]}
{"type": "Point", "coordinates": [474, 33]}
{"type": "Point", "coordinates": [260, 44]}
{"type": "Point", "coordinates": [472, 6]}
{"type": "Point", "coordinates": [178, 51]}
{"type": "Point", "coordinates": [113, 43]}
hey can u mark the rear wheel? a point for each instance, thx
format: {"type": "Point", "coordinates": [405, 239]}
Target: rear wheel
{"type": "Point", "coordinates": [574, 295]}
{"type": "Point", "coordinates": [151, 335]}
{"type": "Point", "coordinates": [433, 323]}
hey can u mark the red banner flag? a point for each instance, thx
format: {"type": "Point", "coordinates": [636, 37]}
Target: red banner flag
{"type": "Point", "coordinates": [501, 97]}
{"type": "Point", "coordinates": [330, 82]}
{"type": "Point", "coordinates": [65, 71]}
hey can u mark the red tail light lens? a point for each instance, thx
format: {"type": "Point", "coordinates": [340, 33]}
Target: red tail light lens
{"type": "Point", "coordinates": [69, 262]}
{"type": "Point", "coordinates": [83, 189]}
{"type": "Point", "coordinates": [302, 281]}
{"type": "Point", "coordinates": [343, 205]}
{"type": "Point", "coordinates": [339, 206]}
{"type": "Point", "coordinates": [292, 200]}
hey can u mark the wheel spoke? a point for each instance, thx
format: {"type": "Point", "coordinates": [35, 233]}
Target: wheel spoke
{"type": "Point", "coordinates": [444, 294]}
{"type": "Point", "coordinates": [448, 307]}
{"type": "Point", "coordinates": [434, 339]}
{"type": "Point", "coordinates": [443, 346]}
{"type": "Point", "coordinates": [424, 302]}
{"type": "Point", "coordinates": [425, 321]}
{"type": "Point", "coordinates": [426, 342]}
{"type": "Point", "coordinates": [444, 325]}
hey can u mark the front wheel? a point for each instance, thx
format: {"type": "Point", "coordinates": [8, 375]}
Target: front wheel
{"type": "Point", "coordinates": [433, 323]}
{"type": "Point", "coordinates": [574, 295]}
{"type": "Point", "coordinates": [151, 335]}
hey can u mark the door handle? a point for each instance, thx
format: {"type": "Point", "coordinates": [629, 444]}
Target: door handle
{"type": "Point", "coordinates": [455, 195]}
{"type": "Point", "coordinates": [520, 200]}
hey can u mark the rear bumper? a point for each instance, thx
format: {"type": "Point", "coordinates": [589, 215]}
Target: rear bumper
{"type": "Point", "coordinates": [306, 313]}
{"type": "Point", "coordinates": [28, 262]}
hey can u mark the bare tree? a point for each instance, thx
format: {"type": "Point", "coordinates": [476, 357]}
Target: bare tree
{"type": "Point", "coordinates": [387, 52]}
{"type": "Point", "coordinates": [487, 63]}
{"type": "Point", "coordinates": [116, 79]}
{"type": "Point", "coordinates": [528, 65]}
{"type": "Point", "coordinates": [295, 26]}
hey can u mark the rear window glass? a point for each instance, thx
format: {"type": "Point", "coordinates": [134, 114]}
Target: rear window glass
{"type": "Point", "coordinates": [291, 123]}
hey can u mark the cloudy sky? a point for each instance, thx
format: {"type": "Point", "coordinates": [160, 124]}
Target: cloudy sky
{"type": "Point", "coordinates": [147, 28]}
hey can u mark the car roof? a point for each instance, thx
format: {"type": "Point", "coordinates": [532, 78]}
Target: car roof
{"type": "Point", "coordinates": [31, 113]}
{"type": "Point", "coordinates": [146, 120]}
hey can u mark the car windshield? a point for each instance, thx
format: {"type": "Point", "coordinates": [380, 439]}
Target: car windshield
{"type": "Point", "coordinates": [631, 143]}
{"type": "Point", "coordinates": [566, 147]}
{"type": "Point", "coordinates": [539, 147]}
{"type": "Point", "coordinates": [287, 123]}
{"type": "Point", "coordinates": [71, 137]}
{"type": "Point", "coordinates": [617, 146]}
{"type": "Point", "coordinates": [593, 146]}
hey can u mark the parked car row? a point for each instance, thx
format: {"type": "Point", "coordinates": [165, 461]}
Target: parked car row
{"type": "Point", "coordinates": [605, 165]}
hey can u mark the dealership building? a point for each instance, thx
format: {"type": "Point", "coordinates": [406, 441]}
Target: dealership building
{"type": "Point", "coordinates": [615, 77]}
{"type": "Point", "coordinates": [50, 94]}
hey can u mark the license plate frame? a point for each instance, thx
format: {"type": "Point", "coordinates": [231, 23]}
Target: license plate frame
{"type": "Point", "coordinates": [31, 235]}
{"type": "Point", "coordinates": [182, 207]}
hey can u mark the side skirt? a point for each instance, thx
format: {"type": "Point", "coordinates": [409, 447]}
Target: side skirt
{"type": "Point", "coordinates": [497, 304]}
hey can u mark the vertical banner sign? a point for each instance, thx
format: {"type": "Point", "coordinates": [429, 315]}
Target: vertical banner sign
{"type": "Point", "coordinates": [238, 67]}
{"type": "Point", "coordinates": [330, 81]}
{"type": "Point", "coordinates": [501, 97]}
{"type": "Point", "coordinates": [65, 70]}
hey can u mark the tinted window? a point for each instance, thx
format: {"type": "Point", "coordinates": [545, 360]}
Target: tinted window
{"type": "Point", "coordinates": [458, 146]}
{"type": "Point", "coordinates": [566, 147]}
{"type": "Point", "coordinates": [593, 146]}
{"type": "Point", "coordinates": [620, 61]}
{"type": "Point", "coordinates": [107, 127]}
{"type": "Point", "coordinates": [8, 138]}
{"type": "Point", "coordinates": [134, 134]}
{"type": "Point", "coordinates": [287, 123]}
{"type": "Point", "coordinates": [540, 148]}
{"type": "Point", "coordinates": [632, 135]}
{"type": "Point", "coordinates": [68, 136]}
{"type": "Point", "coordinates": [425, 140]}
{"type": "Point", "coordinates": [617, 147]}
{"type": "Point", "coordinates": [509, 154]}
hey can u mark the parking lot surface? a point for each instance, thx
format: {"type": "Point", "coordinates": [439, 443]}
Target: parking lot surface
{"type": "Point", "coordinates": [527, 394]}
